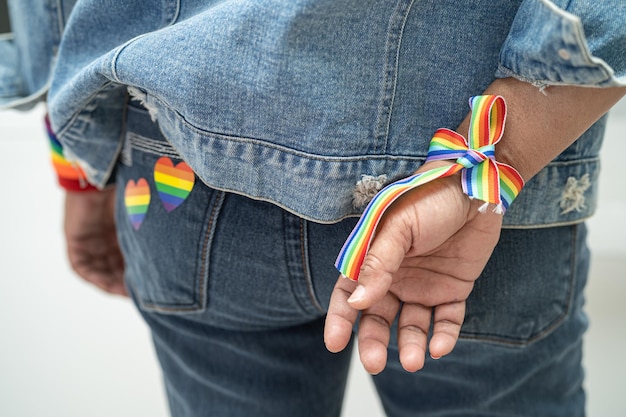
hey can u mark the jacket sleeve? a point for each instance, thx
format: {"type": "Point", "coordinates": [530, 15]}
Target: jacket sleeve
{"type": "Point", "coordinates": [27, 54]}
{"type": "Point", "coordinates": [567, 42]}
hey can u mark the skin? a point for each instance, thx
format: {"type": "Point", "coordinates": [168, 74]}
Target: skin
{"type": "Point", "coordinates": [424, 260]}
{"type": "Point", "coordinates": [92, 246]}
{"type": "Point", "coordinates": [432, 244]}
{"type": "Point", "coordinates": [430, 247]}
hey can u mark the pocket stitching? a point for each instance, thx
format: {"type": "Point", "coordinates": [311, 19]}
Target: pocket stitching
{"type": "Point", "coordinates": [200, 282]}
{"type": "Point", "coordinates": [550, 327]}
{"type": "Point", "coordinates": [305, 266]}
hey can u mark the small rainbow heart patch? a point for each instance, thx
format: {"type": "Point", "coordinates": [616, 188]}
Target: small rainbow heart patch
{"type": "Point", "coordinates": [173, 182]}
{"type": "Point", "coordinates": [137, 200]}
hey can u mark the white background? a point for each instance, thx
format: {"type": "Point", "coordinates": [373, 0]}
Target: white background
{"type": "Point", "coordinates": [68, 350]}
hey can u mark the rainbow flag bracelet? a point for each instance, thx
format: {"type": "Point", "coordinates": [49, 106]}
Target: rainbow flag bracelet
{"type": "Point", "coordinates": [70, 176]}
{"type": "Point", "coordinates": [482, 177]}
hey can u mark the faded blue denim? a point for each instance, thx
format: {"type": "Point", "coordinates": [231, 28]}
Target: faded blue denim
{"type": "Point", "coordinates": [293, 102]}
{"type": "Point", "coordinates": [235, 292]}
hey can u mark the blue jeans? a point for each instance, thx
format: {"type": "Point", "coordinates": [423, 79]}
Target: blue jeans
{"type": "Point", "coordinates": [235, 292]}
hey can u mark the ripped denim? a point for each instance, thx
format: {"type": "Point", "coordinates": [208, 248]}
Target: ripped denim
{"type": "Point", "coordinates": [235, 291]}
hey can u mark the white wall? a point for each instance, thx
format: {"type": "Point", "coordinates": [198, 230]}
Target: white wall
{"type": "Point", "coordinates": [68, 350]}
{"type": "Point", "coordinates": [608, 225]}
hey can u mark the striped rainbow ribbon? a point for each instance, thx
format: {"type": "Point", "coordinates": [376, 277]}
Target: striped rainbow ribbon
{"type": "Point", "coordinates": [70, 176]}
{"type": "Point", "coordinates": [482, 176]}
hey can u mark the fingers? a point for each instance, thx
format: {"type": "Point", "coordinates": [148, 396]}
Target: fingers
{"type": "Point", "coordinates": [415, 257]}
{"type": "Point", "coordinates": [341, 317]}
{"type": "Point", "coordinates": [413, 327]}
{"type": "Point", "coordinates": [91, 239]}
{"type": "Point", "coordinates": [413, 225]}
{"type": "Point", "coordinates": [378, 304]}
{"type": "Point", "coordinates": [383, 259]}
{"type": "Point", "coordinates": [447, 326]}
{"type": "Point", "coordinates": [374, 327]}
{"type": "Point", "coordinates": [105, 272]}
{"type": "Point", "coordinates": [374, 333]}
{"type": "Point", "coordinates": [103, 282]}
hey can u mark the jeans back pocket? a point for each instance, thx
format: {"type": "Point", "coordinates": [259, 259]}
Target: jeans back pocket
{"type": "Point", "coordinates": [529, 285]}
{"type": "Point", "coordinates": [165, 219]}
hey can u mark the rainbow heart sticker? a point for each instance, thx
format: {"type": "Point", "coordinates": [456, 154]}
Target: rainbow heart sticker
{"type": "Point", "coordinates": [137, 199]}
{"type": "Point", "coordinates": [174, 183]}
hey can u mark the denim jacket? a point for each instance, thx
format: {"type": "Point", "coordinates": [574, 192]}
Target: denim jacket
{"type": "Point", "coordinates": [305, 102]}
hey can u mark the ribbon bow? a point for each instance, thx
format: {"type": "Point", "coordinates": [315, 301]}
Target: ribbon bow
{"type": "Point", "coordinates": [482, 176]}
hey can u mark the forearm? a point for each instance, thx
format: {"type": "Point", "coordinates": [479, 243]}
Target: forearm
{"type": "Point", "coordinates": [540, 125]}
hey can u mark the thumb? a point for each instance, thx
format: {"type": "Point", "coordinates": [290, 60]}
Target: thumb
{"type": "Point", "coordinates": [384, 257]}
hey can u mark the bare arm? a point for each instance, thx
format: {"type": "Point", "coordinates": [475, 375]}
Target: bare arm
{"type": "Point", "coordinates": [432, 244]}
{"type": "Point", "coordinates": [540, 125]}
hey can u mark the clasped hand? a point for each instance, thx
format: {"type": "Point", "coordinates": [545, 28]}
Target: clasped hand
{"type": "Point", "coordinates": [92, 245]}
{"type": "Point", "coordinates": [430, 247]}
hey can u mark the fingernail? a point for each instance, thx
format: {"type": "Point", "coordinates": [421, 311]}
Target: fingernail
{"type": "Point", "coordinates": [435, 357]}
{"type": "Point", "coordinates": [357, 295]}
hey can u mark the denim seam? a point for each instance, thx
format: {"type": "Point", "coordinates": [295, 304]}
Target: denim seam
{"type": "Point", "coordinates": [397, 22]}
{"type": "Point", "coordinates": [218, 200]}
{"type": "Point", "coordinates": [116, 55]}
{"type": "Point", "coordinates": [546, 225]}
{"type": "Point", "coordinates": [171, 13]}
{"type": "Point", "coordinates": [68, 126]}
{"type": "Point", "coordinates": [265, 143]}
{"type": "Point", "coordinates": [150, 146]}
{"type": "Point", "coordinates": [574, 269]}
{"type": "Point", "coordinates": [295, 272]}
{"type": "Point", "coordinates": [287, 218]}
{"type": "Point", "coordinates": [57, 10]}
{"type": "Point", "coordinates": [304, 252]}
{"type": "Point", "coordinates": [419, 159]}
{"type": "Point", "coordinates": [201, 279]}
{"type": "Point", "coordinates": [120, 148]}
{"type": "Point", "coordinates": [70, 131]}
{"type": "Point", "coordinates": [542, 83]}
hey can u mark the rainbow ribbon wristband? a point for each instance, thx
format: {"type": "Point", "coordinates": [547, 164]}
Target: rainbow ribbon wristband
{"type": "Point", "coordinates": [482, 177]}
{"type": "Point", "coordinates": [70, 176]}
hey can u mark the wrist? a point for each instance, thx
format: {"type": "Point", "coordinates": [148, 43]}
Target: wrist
{"type": "Point", "coordinates": [541, 124]}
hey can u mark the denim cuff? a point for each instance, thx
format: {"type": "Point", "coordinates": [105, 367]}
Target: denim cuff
{"type": "Point", "coordinates": [547, 45]}
{"type": "Point", "coordinates": [70, 176]}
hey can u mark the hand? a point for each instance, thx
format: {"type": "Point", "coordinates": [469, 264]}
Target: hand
{"type": "Point", "coordinates": [430, 247]}
{"type": "Point", "coordinates": [91, 239]}
{"type": "Point", "coordinates": [432, 244]}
